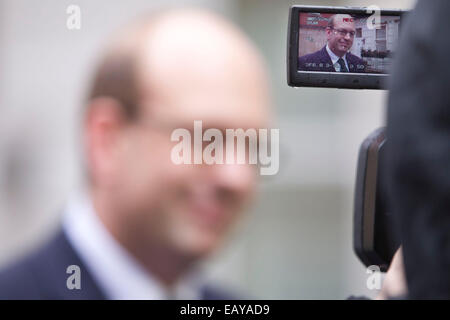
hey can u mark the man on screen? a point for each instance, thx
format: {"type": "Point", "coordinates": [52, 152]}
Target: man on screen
{"type": "Point", "coordinates": [335, 56]}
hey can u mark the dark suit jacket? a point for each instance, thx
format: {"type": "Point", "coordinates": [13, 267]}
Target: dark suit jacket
{"type": "Point", "coordinates": [321, 61]}
{"type": "Point", "coordinates": [42, 275]}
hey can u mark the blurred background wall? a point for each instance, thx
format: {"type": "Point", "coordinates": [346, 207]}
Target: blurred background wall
{"type": "Point", "coordinates": [296, 242]}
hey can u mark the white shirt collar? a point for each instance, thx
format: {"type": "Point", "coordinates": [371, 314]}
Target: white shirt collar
{"type": "Point", "coordinates": [335, 58]}
{"type": "Point", "coordinates": [116, 272]}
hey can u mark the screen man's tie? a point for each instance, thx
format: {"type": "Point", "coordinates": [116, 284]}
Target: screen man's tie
{"type": "Point", "coordinates": [342, 64]}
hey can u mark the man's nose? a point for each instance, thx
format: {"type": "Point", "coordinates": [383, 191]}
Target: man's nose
{"type": "Point", "coordinates": [234, 177]}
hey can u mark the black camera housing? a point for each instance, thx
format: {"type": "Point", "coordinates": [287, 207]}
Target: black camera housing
{"type": "Point", "coordinates": [375, 239]}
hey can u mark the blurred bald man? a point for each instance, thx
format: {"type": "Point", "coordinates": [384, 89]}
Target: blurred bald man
{"type": "Point", "coordinates": [335, 55]}
{"type": "Point", "coordinates": [143, 223]}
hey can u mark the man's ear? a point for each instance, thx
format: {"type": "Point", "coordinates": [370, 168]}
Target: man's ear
{"type": "Point", "coordinates": [328, 32]}
{"type": "Point", "coordinates": [103, 126]}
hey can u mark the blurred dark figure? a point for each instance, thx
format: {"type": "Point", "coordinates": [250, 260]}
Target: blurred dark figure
{"type": "Point", "coordinates": [418, 161]}
{"type": "Point", "coordinates": [142, 223]}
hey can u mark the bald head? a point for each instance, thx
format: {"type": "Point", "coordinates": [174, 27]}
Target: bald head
{"type": "Point", "coordinates": [172, 54]}
{"type": "Point", "coordinates": [195, 54]}
{"type": "Point", "coordinates": [339, 18]}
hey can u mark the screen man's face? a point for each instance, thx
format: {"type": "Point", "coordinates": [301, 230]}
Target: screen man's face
{"type": "Point", "coordinates": [340, 37]}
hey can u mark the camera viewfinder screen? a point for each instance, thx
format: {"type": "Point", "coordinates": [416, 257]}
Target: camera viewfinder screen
{"type": "Point", "coordinates": [331, 42]}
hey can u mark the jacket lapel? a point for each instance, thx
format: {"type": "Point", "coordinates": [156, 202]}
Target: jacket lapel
{"type": "Point", "coordinates": [51, 266]}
